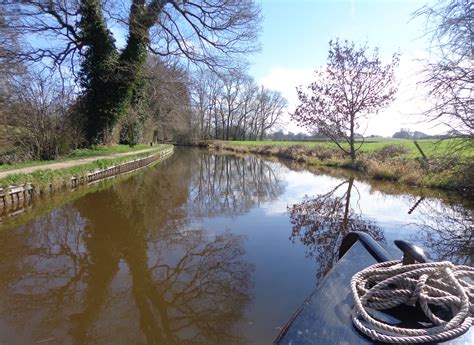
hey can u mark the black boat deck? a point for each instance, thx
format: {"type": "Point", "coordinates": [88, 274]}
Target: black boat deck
{"type": "Point", "coordinates": [324, 318]}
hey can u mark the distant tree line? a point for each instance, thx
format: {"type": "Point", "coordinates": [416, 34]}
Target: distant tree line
{"type": "Point", "coordinates": [406, 133]}
{"type": "Point", "coordinates": [231, 106]}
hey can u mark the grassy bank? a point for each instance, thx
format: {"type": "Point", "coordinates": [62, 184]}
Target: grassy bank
{"type": "Point", "coordinates": [390, 160]}
{"type": "Point", "coordinates": [431, 147]}
{"type": "Point", "coordinates": [57, 178]}
{"type": "Point", "coordinates": [77, 154]}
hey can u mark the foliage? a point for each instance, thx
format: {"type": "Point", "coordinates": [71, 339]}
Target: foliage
{"type": "Point", "coordinates": [102, 101]}
{"type": "Point", "coordinates": [390, 151]}
{"type": "Point", "coordinates": [353, 85]}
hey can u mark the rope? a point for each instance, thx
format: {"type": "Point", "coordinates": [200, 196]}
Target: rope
{"type": "Point", "coordinates": [389, 284]}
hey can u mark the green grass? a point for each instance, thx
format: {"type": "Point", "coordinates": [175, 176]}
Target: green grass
{"type": "Point", "coordinates": [96, 151]}
{"type": "Point", "coordinates": [431, 147]}
{"type": "Point", "coordinates": [42, 178]}
{"type": "Point", "coordinates": [104, 150]}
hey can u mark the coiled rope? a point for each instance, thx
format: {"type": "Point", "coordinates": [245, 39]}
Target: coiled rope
{"type": "Point", "coordinates": [389, 284]}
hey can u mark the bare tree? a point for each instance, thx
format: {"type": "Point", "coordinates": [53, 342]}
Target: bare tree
{"type": "Point", "coordinates": [449, 77]}
{"type": "Point", "coordinates": [168, 102]}
{"type": "Point", "coordinates": [9, 49]}
{"type": "Point", "coordinates": [41, 117]}
{"type": "Point", "coordinates": [210, 32]}
{"type": "Point", "coordinates": [232, 106]}
{"type": "Point", "coordinates": [270, 108]}
{"type": "Point", "coordinates": [354, 84]}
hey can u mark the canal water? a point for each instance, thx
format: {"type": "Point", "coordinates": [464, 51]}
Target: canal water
{"type": "Point", "coordinates": [205, 248]}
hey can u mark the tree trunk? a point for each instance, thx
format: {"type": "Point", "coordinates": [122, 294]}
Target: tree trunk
{"type": "Point", "coordinates": [351, 140]}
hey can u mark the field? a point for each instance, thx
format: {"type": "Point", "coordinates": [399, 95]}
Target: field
{"type": "Point", "coordinates": [431, 147]}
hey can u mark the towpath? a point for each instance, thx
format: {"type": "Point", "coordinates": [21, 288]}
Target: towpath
{"type": "Point", "coordinates": [72, 162]}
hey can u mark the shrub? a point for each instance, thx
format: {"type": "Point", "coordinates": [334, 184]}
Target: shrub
{"type": "Point", "coordinates": [389, 152]}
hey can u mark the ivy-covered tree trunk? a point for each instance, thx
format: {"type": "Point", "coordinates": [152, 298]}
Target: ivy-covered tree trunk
{"type": "Point", "coordinates": [97, 75]}
{"type": "Point", "coordinates": [112, 81]}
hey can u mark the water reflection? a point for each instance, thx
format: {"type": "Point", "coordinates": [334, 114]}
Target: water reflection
{"type": "Point", "coordinates": [447, 231]}
{"type": "Point", "coordinates": [131, 253]}
{"type": "Point", "coordinates": [231, 185]}
{"type": "Point", "coordinates": [196, 251]}
{"type": "Point", "coordinates": [321, 223]}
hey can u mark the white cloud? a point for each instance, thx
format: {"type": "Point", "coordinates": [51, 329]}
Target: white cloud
{"type": "Point", "coordinates": [286, 81]}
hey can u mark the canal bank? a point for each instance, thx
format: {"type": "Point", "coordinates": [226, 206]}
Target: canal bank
{"type": "Point", "coordinates": [19, 189]}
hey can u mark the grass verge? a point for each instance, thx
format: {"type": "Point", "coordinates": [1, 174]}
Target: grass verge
{"type": "Point", "coordinates": [431, 147]}
{"type": "Point", "coordinates": [42, 179]}
{"type": "Point", "coordinates": [77, 154]}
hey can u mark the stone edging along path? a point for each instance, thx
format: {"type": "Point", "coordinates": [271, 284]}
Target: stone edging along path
{"type": "Point", "coordinates": [15, 195]}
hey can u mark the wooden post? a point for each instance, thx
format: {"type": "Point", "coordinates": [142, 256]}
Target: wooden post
{"type": "Point", "coordinates": [421, 151]}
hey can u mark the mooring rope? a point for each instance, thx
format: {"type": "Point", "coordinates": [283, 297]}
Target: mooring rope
{"type": "Point", "coordinates": [389, 284]}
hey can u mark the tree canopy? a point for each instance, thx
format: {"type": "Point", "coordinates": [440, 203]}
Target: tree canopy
{"type": "Point", "coordinates": [354, 84]}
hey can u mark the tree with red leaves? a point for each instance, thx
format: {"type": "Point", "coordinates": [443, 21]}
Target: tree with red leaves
{"type": "Point", "coordinates": [354, 84]}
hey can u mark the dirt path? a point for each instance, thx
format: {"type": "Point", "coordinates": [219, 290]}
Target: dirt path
{"type": "Point", "coordinates": [71, 163]}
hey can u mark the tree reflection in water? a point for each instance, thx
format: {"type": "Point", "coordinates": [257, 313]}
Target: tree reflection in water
{"type": "Point", "coordinates": [321, 223]}
{"type": "Point", "coordinates": [447, 231]}
{"type": "Point", "coordinates": [231, 185]}
{"type": "Point", "coordinates": [125, 265]}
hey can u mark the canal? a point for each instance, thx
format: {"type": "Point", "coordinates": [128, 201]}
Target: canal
{"type": "Point", "coordinates": [205, 248]}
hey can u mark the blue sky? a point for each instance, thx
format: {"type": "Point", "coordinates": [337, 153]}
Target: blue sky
{"type": "Point", "coordinates": [295, 42]}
